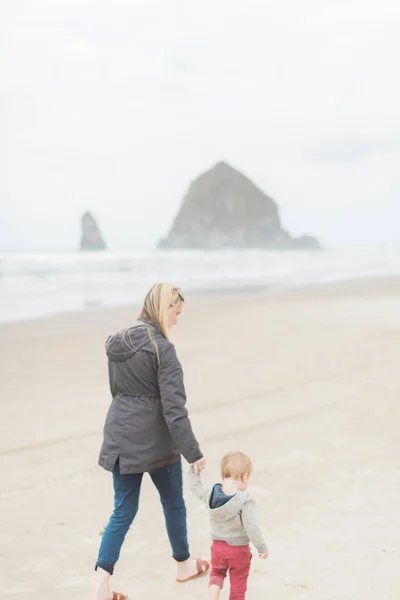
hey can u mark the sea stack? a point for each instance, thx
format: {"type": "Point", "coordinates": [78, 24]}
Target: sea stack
{"type": "Point", "coordinates": [224, 209]}
{"type": "Point", "coordinates": [91, 238]}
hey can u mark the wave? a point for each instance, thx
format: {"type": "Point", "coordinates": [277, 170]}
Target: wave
{"type": "Point", "coordinates": [36, 284]}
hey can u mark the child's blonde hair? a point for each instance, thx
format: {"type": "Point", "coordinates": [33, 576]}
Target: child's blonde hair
{"type": "Point", "coordinates": [235, 465]}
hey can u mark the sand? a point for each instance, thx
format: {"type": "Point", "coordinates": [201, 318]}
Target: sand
{"type": "Point", "coordinates": [305, 381]}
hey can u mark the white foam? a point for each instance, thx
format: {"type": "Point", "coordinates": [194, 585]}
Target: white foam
{"type": "Point", "coordinates": [36, 284]}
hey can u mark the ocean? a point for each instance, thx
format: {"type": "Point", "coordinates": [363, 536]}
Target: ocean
{"type": "Point", "coordinates": [33, 285]}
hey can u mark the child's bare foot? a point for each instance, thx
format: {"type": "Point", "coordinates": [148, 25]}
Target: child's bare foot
{"type": "Point", "coordinates": [191, 568]}
{"type": "Point", "coordinates": [215, 591]}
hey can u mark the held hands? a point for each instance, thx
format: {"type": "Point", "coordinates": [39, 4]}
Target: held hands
{"type": "Point", "coordinates": [199, 465]}
{"type": "Point", "coordinates": [264, 555]}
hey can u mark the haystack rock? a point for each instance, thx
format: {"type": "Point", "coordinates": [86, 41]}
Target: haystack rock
{"type": "Point", "coordinates": [224, 209]}
{"type": "Point", "coordinates": [91, 238]}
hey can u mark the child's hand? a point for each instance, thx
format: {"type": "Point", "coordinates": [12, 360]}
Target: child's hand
{"type": "Point", "coordinates": [264, 555]}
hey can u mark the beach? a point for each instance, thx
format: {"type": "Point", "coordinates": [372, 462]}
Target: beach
{"type": "Point", "coordinates": [305, 381]}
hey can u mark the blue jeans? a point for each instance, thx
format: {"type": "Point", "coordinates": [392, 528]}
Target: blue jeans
{"type": "Point", "coordinates": [168, 481]}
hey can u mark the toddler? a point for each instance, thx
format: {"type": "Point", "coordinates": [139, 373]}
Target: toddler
{"type": "Point", "coordinates": [234, 524]}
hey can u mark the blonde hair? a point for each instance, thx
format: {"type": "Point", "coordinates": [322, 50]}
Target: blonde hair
{"type": "Point", "coordinates": [161, 298]}
{"type": "Point", "coordinates": [235, 465]}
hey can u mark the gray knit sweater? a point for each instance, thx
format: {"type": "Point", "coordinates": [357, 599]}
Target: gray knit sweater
{"type": "Point", "coordinates": [234, 522]}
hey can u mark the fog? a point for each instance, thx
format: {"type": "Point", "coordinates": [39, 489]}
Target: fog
{"type": "Point", "coordinates": [116, 106]}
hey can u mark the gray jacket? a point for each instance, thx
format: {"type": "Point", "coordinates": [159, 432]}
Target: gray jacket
{"type": "Point", "coordinates": [147, 424]}
{"type": "Point", "coordinates": [235, 522]}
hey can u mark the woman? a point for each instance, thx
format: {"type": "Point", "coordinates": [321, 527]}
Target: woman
{"type": "Point", "coordinates": [147, 430]}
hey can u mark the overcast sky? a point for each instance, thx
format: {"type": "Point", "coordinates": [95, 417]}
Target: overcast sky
{"type": "Point", "coordinates": [115, 106]}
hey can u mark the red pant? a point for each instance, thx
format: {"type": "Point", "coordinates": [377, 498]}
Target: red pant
{"type": "Point", "coordinates": [236, 560]}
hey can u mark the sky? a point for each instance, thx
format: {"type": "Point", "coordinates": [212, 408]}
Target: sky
{"type": "Point", "coordinates": [115, 106]}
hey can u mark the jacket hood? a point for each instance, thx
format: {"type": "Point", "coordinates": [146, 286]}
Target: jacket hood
{"type": "Point", "coordinates": [230, 509]}
{"type": "Point", "coordinates": [125, 343]}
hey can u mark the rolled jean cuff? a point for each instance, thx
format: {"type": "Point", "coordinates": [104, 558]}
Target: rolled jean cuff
{"type": "Point", "coordinates": [181, 557]}
{"type": "Point", "coordinates": [215, 580]}
{"type": "Point", "coordinates": [109, 567]}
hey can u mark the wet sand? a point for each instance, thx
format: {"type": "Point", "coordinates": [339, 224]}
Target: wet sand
{"type": "Point", "coordinates": [305, 381]}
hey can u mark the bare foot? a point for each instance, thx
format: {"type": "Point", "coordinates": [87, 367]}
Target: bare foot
{"type": "Point", "coordinates": [214, 591]}
{"type": "Point", "coordinates": [188, 569]}
{"type": "Point", "coordinates": [102, 589]}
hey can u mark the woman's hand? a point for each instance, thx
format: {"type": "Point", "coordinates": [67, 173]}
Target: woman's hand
{"type": "Point", "coordinates": [264, 555]}
{"type": "Point", "coordinates": [199, 465]}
